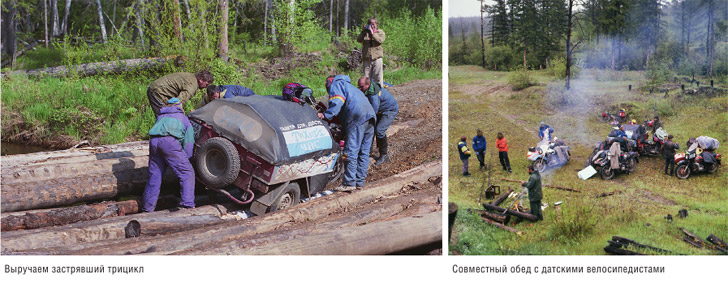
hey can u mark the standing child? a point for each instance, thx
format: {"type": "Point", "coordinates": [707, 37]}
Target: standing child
{"type": "Point", "coordinates": [464, 154]}
{"type": "Point", "coordinates": [502, 144]}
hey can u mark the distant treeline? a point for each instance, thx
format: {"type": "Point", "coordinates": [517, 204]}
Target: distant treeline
{"type": "Point", "coordinates": [684, 36]}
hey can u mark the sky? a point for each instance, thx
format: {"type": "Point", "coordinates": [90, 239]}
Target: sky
{"type": "Point", "coordinates": [465, 8]}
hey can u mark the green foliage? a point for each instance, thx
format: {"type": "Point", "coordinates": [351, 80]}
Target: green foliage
{"type": "Point", "coordinates": [658, 73]}
{"type": "Point", "coordinates": [574, 224]}
{"type": "Point", "coordinates": [296, 25]}
{"type": "Point", "coordinates": [520, 80]}
{"type": "Point", "coordinates": [418, 39]}
{"type": "Point", "coordinates": [557, 68]}
{"type": "Point", "coordinates": [500, 58]}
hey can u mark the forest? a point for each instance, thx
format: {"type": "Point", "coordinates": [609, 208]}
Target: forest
{"type": "Point", "coordinates": [688, 37]}
{"type": "Point", "coordinates": [51, 98]}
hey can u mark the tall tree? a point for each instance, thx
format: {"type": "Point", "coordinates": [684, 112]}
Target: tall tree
{"type": "Point", "coordinates": [101, 20]}
{"type": "Point", "coordinates": [55, 23]}
{"type": "Point", "coordinates": [9, 27]}
{"type": "Point", "coordinates": [346, 18]}
{"type": "Point", "coordinates": [224, 30]}
{"type": "Point", "coordinates": [501, 25]}
{"type": "Point", "coordinates": [139, 27]}
{"type": "Point", "coordinates": [64, 25]}
{"type": "Point", "coordinates": [331, 15]}
{"type": "Point", "coordinates": [45, 21]}
{"type": "Point", "coordinates": [483, 8]}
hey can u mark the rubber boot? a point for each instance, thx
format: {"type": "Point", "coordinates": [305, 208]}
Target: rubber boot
{"type": "Point", "coordinates": [382, 145]}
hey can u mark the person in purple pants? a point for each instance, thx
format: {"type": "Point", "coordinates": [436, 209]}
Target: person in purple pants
{"type": "Point", "coordinates": [170, 145]}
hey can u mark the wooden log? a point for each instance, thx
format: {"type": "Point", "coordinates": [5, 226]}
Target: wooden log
{"type": "Point", "coordinates": [371, 239]}
{"type": "Point", "coordinates": [498, 217]}
{"type": "Point", "coordinates": [631, 242]}
{"type": "Point", "coordinates": [700, 243]}
{"type": "Point", "coordinates": [101, 229]}
{"type": "Point", "coordinates": [618, 251]}
{"type": "Point", "coordinates": [308, 211]}
{"type": "Point", "coordinates": [68, 215]}
{"type": "Point", "coordinates": [499, 225]}
{"type": "Point", "coordinates": [54, 179]}
{"type": "Point", "coordinates": [98, 68]}
{"type": "Point", "coordinates": [543, 185]}
{"type": "Point", "coordinates": [527, 216]}
{"type": "Point", "coordinates": [501, 198]}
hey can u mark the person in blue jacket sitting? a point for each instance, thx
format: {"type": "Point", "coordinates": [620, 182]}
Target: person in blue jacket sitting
{"type": "Point", "coordinates": [545, 128]}
{"type": "Point", "coordinates": [357, 119]}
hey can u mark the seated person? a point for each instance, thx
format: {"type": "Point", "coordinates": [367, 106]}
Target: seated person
{"type": "Point", "coordinates": [298, 93]}
{"type": "Point", "coordinates": [543, 130]}
{"type": "Point", "coordinates": [225, 91]}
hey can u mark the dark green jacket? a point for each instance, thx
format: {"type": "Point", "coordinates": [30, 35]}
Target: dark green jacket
{"type": "Point", "coordinates": [534, 186]}
{"type": "Point", "coordinates": [181, 85]}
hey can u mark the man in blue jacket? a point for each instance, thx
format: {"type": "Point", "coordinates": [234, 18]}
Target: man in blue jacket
{"type": "Point", "coordinates": [225, 91]}
{"type": "Point", "coordinates": [171, 140]}
{"type": "Point", "coordinates": [357, 118]}
{"type": "Point", "coordinates": [386, 108]}
{"type": "Point", "coordinates": [545, 128]}
{"type": "Point", "coordinates": [479, 145]}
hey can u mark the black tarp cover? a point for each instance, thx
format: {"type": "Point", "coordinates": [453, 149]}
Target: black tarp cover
{"type": "Point", "coordinates": [278, 131]}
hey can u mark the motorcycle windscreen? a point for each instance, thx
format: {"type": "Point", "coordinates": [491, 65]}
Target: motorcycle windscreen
{"type": "Point", "coordinates": [278, 131]}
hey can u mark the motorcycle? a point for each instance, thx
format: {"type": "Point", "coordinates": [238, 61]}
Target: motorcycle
{"type": "Point", "coordinates": [619, 117]}
{"type": "Point", "coordinates": [548, 155]}
{"type": "Point", "coordinates": [652, 147]}
{"type": "Point", "coordinates": [627, 163]}
{"type": "Point", "coordinates": [696, 160]}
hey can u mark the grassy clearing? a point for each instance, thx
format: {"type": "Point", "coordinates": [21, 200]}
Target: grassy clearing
{"type": "Point", "coordinates": [482, 99]}
{"type": "Point", "coordinates": [114, 108]}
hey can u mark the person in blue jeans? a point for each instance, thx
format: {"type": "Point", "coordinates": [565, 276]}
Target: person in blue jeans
{"type": "Point", "coordinates": [357, 118]}
{"type": "Point", "coordinates": [464, 154]}
{"type": "Point", "coordinates": [479, 145]}
{"type": "Point", "coordinates": [171, 140]}
{"type": "Point", "coordinates": [386, 107]}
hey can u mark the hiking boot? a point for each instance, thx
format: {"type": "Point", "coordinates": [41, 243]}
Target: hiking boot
{"type": "Point", "coordinates": [466, 174]}
{"type": "Point", "coordinates": [482, 167]}
{"type": "Point", "coordinates": [382, 159]}
{"type": "Point", "coordinates": [343, 188]}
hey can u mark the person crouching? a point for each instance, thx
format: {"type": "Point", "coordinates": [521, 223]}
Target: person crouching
{"type": "Point", "coordinates": [171, 140]}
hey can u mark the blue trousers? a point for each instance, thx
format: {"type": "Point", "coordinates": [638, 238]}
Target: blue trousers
{"type": "Point", "coordinates": [358, 144]}
{"type": "Point", "coordinates": [384, 120]}
{"type": "Point", "coordinates": [167, 152]}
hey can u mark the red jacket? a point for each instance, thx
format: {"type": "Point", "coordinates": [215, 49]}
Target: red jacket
{"type": "Point", "coordinates": [501, 144]}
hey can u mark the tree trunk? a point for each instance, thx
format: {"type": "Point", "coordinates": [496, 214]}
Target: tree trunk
{"type": "Point", "coordinates": [223, 51]}
{"type": "Point", "coordinates": [102, 25]}
{"type": "Point", "coordinates": [338, 25]}
{"type": "Point", "coordinates": [711, 37]}
{"type": "Point", "coordinates": [502, 197]}
{"type": "Point", "coordinates": [612, 53]}
{"type": "Point", "coordinates": [139, 29]}
{"type": "Point", "coordinates": [177, 21]}
{"type": "Point", "coordinates": [499, 225]}
{"type": "Point", "coordinates": [331, 16]}
{"type": "Point", "coordinates": [377, 238]}
{"type": "Point", "coordinates": [568, 45]}
{"type": "Point", "coordinates": [346, 18]}
{"type": "Point", "coordinates": [45, 21]}
{"type": "Point", "coordinates": [482, 30]}
{"type": "Point", "coordinates": [524, 57]}
{"type": "Point", "coordinates": [64, 25]}
{"type": "Point", "coordinates": [9, 27]}
{"type": "Point", "coordinates": [265, 23]}
{"type": "Point", "coordinates": [56, 24]}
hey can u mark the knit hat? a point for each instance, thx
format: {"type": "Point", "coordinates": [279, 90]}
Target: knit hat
{"type": "Point", "coordinates": [329, 81]}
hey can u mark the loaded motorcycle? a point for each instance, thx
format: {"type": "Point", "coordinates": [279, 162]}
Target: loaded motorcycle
{"type": "Point", "coordinates": [548, 154]}
{"type": "Point", "coordinates": [602, 160]}
{"type": "Point", "coordinates": [696, 160]}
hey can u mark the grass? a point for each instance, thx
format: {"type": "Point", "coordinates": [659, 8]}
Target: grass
{"type": "Point", "coordinates": [111, 109]}
{"type": "Point", "coordinates": [483, 99]}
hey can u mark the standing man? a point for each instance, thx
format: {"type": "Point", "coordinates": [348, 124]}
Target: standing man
{"type": "Point", "coordinates": [502, 144]}
{"type": "Point", "coordinates": [357, 119]}
{"type": "Point", "coordinates": [386, 108]}
{"type": "Point", "coordinates": [543, 129]}
{"type": "Point", "coordinates": [668, 152]}
{"type": "Point", "coordinates": [464, 154]}
{"type": "Point", "coordinates": [534, 191]}
{"type": "Point", "coordinates": [180, 85]}
{"type": "Point", "coordinates": [479, 145]}
{"type": "Point", "coordinates": [170, 145]}
{"type": "Point", "coordinates": [372, 52]}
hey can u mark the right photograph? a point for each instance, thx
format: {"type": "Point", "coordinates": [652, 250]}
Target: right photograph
{"type": "Point", "coordinates": [587, 127]}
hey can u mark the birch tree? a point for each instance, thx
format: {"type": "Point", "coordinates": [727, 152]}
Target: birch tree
{"type": "Point", "coordinates": [101, 20]}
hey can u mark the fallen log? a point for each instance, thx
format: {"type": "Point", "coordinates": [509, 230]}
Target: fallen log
{"type": "Point", "coordinates": [527, 216]}
{"type": "Point", "coordinates": [68, 215]}
{"type": "Point", "coordinates": [372, 239]}
{"type": "Point", "coordinates": [308, 211]}
{"type": "Point", "coordinates": [98, 68]}
{"type": "Point", "coordinates": [717, 241]}
{"type": "Point", "coordinates": [619, 251]}
{"type": "Point", "coordinates": [608, 194]}
{"type": "Point", "coordinates": [498, 217]}
{"type": "Point", "coordinates": [698, 242]}
{"type": "Point", "coordinates": [548, 186]}
{"type": "Point", "coordinates": [502, 197]}
{"type": "Point", "coordinates": [102, 229]}
{"type": "Point", "coordinates": [630, 242]}
{"type": "Point", "coordinates": [499, 225]}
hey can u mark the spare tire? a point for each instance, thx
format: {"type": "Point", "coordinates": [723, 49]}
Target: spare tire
{"type": "Point", "coordinates": [217, 162]}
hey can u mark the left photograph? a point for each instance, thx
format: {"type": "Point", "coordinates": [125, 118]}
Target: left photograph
{"type": "Point", "coordinates": [227, 127]}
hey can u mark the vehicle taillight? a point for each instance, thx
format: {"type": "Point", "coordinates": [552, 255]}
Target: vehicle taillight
{"type": "Point", "coordinates": [621, 114]}
{"type": "Point", "coordinates": [717, 156]}
{"type": "Point", "coordinates": [604, 114]}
